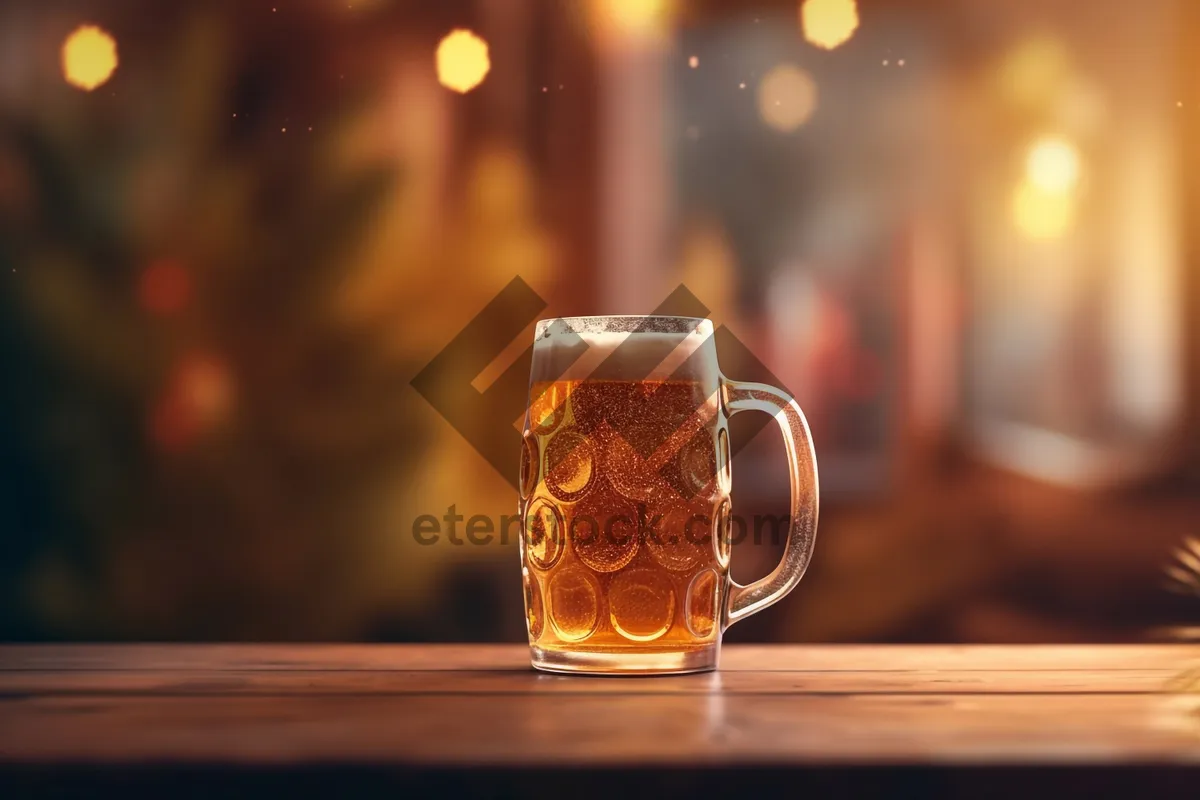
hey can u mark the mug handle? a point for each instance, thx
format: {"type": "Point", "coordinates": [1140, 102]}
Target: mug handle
{"type": "Point", "coordinates": [802, 528]}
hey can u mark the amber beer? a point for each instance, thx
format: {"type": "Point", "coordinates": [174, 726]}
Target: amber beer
{"type": "Point", "coordinates": [619, 545]}
{"type": "Point", "coordinates": [624, 496]}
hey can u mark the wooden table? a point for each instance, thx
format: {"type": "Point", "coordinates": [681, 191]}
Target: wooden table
{"type": "Point", "coordinates": [937, 719]}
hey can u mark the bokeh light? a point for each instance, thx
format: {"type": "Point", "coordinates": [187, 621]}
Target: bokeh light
{"type": "Point", "coordinates": [1035, 73]}
{"type": "Point", "coordinates": [1040, 214]}
{"type": "Point", "coordinates": [205, 386]}
{"type": "Point", "coordinates": [1083, 107]}
{"type": "Point", "coordinates": [462, 61]}
{"type": "Point", "coordinates": [198, 398]}
{"type": "Point", "coordinates": [630, 19]}
{"type": "Point", "coordinates": [1053, 165]}
{"type": "Point", "coordinates": [787, 97]}
{"type": "Point", "coordinates": [164, 287]}
{"type": "Point", "coordinates": [89, 57]}
{"type": "Point", "coordinates": [828, 23]}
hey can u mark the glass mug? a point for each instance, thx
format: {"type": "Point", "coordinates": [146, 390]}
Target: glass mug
{"type": "Point", "coordinates": [624, 496]}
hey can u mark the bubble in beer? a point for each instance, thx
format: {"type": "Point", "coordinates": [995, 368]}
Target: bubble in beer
{"type": "Point", "coordinates": [701, 606]}
{"type": "Point", "coordinates": [543, 533]}
{"type": "Point", "coordinates": [570, 465]}
{"type": "Point", "coordinates": [535, 615]}
{"type": "Point", "coordinates": [698, 461]}
{"type": "Point", "coordinates": [603, 528]}
{"type": "Point", "coordinates": [722, 541]}
{"type": "Point", "coordinates": [681, 541]}
{"type": "Point", "coordinates": [662, 419]}
{"type": "Point", "coordinates": [573, 599]}
{"type": "Point", "coordinates": [693, 469]}
{"type": "Point", "coordinates": [641, 604]}
{"type": "Point", "coordinates": [629, 473]}
{"type": "Point", "coordinates": [529, 465]}
{"type": "Point", "coordinates": [590, 399]}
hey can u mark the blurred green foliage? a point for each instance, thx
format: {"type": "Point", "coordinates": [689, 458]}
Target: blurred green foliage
{"type": "Point", "coordinates": [159, 476]}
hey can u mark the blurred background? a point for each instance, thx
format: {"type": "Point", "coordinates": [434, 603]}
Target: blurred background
{"type": "Point", "coordinates": [964, 233]}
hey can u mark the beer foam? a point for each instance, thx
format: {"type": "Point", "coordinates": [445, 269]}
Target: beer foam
{"type": "Point", "coordinates": [650, 348]}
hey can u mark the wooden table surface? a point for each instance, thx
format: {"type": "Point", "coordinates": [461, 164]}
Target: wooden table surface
{"type": "Point", "coordinates": [860, 721]}
{"type": "Point", "coordinates": [480, 705]}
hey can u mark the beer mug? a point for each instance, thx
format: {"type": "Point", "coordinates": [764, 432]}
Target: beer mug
{"type": "Point", "coordinates": [624, 496]}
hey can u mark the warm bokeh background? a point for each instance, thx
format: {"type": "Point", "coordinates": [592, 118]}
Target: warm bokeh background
{"type": "Point", "coordinates": [966, 237]}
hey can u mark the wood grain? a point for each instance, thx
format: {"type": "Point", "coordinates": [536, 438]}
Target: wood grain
{"type": "Point", "coordinates": [887, 658]}
{"type": "Point", "coordinates": [482, 705]}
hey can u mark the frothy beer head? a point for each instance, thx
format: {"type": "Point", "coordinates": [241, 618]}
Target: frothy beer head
{"type": "Point", "coordinates": [626, 349]}
{"type": "Point", "coordinates": [653, 381]}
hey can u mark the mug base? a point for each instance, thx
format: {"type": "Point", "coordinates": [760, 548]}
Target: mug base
{"type": "Point", "coordinates": [677, 662]}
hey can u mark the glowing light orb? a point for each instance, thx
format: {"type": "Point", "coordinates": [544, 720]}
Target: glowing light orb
{"type": "Point", "coordinates": [89, 57]}
{"type": "Point", "coordinates": [828, 23]}
{"type": "Point", "coordinates": [462, 61]}
{"type": "Point", "coordinates": [1053, 165]}
{"type": "Point", "coordinates": [787, 97]}
{"type": "Point", "coordinates": [1041, 214]}
{"type": "Point", "coordinates": [1035, 73]}
{"type": "Point", "coordinates": [199, 397]}
{"type": "Point", "coordinates": [205, 386]}
{"type": "Point", "coordinates": [630, 18]}
{"type": "Point", "coordinates": [164, 288]}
